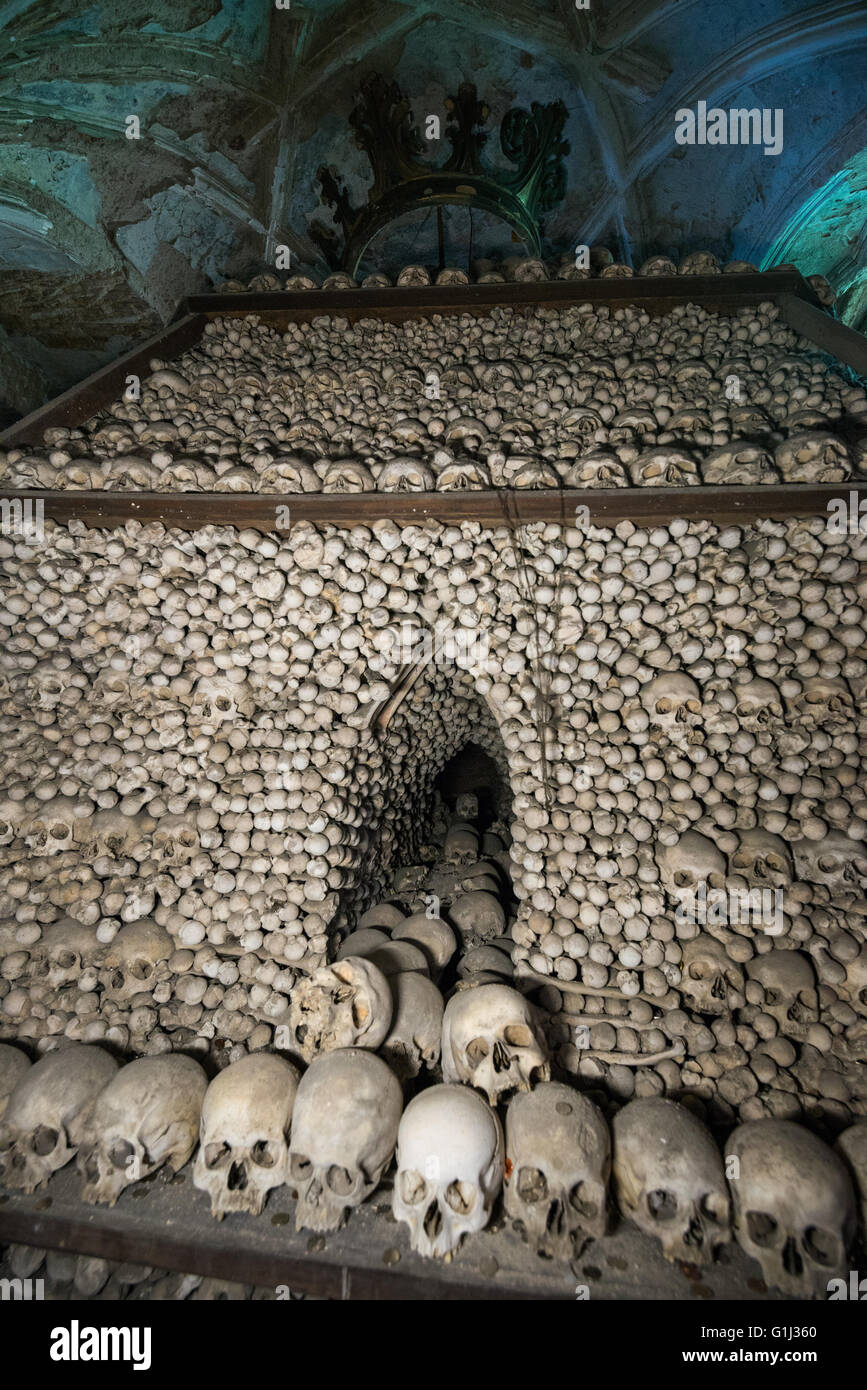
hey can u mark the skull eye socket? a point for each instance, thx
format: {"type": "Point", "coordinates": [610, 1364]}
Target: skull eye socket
{"type": "Point", "coordinates": [820, 1245]}
{"type": "Point", "coordinates": [263, 1154]}
{"type": "Point", "coordinates": [300, 1167]}
{"type": "Point", "coordinates": [412, 1187]}
{"type": "Point", "coordinates": [121, 1152]}
{"type": "Point", "coordinates": [45, 1140]}
{"type": "Point", "coordinates": [761, 1228]}
{"type": "Point", "coordinates": [477, 1051]}
{"type": "Point", "coordinates": [518, 1035]}
{"type": "Point", "coordinates": [339, 1180]}
{"type": "Point", "coordinates": [216, 1154]}
{"type": "Point", "coordinates": [532, 1185]}
{"type": "Point", "coordinates": [582, 1202]}
{"type": "Point", "coordinates": [661, 1205]}
{"type": "Point", "coordinates": [460, 1197]}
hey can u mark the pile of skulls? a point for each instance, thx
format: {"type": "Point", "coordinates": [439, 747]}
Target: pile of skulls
{"type": "Point", "coordinates": [581, 396]}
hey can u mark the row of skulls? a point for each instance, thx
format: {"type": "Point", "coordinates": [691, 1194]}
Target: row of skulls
{"type": "Point", "coordinates": [332, 1132]}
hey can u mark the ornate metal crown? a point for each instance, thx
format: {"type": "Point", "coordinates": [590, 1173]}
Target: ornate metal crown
{"type": "Point", "coordinates": [403, 181]}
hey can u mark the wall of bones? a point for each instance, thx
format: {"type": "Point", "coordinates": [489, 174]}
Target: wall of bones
{"type": "Point", "coordinates": [200, 798]}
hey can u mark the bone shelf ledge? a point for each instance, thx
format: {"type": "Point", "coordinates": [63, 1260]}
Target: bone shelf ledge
{"type": "Point", "coordinates": [169, 1226]}
{"type": "Point", "coordinates": [606, 506]}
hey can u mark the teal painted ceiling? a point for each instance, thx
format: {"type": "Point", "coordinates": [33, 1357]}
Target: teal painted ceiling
{"type": "Point", "coordinates": [239, 102]}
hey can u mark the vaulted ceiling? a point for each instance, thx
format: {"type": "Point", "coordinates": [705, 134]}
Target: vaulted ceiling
{"type": "Point", "coordinates": [240, 102]}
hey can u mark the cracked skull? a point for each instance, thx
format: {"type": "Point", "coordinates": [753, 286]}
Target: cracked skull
{"type": "Point", "coordinates": [146, 1118]}
{"type": "Point", "coordinates": [558, 1162]}
{"type": "Point", "coordinates": [669, 1178]}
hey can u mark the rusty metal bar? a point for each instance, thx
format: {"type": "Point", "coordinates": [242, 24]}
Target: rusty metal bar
{"type": "Point", "coordinates": [268, 511]}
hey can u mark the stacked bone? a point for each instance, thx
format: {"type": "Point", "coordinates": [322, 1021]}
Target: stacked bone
{"type": "Point", "coordinates": [193, 774]}
{"type": "Point", "coordinates": [581, 396]}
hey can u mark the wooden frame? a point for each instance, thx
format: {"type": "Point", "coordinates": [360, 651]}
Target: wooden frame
{"type": "Point", "coordinates": [798, 306]}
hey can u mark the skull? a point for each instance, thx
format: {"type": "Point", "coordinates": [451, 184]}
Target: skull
{"type": "Point", "coordinates": [54, 827]}
{"type": "Point", "coordinates": [673, 705]}
{"type": "Point", "coordinates": [136, 960]}
{"type": "Point", "coordinates": [65, 951]}
{"type": "Point", "coordinates": [599, 468]}
{"type": "Point", "coordinates": [450, 1158]}
{"type": "Point", "coordinates": [347, 1004]}
{"type": "Point", "coordinates": [852, 1148]}
{"type": "Point", "coordinates": [740, 464]}
{"type": "Point", "coordinates": [13, 1064]}
{"type": "Point", "coordinates": [344, 1130]}
{"type": "Point", "coordinates": [664, 466]}
{"type": "Point", "coordinates": [416, 1025]}
{"type": "Point", "coordinates": [478, 915]}
{"type": "Point", "coordinates": [243, 1133]}
{"type": "Point", "coordinates": [558, 1162]}
{"type": "Point", "coordinates": [176, 839]}
{"type": "Point", "coordinates": [794, 1206]}
{"type": "Point", "coordinates": [493, 1041]}
{"type": "Point", "coordinates": [814, 457]}
{"type": "Point", "coordinates": [763, 859]}
{"type": "Point", "coordinates": [692, 861]}
{"type": "Point", "coordinates": [669, 1178]}
{"type": "Point", "coordinates": [146, 1117]}
{"type": "Point", "coordinates": [461, 844]}
{"type": "Point", "coordinates": [758, 704]}
{"type": "Point", "coordinates": [219, 700]}
{"type": "Point", "coordinates": [433, 935]}
{"type": "Point", "coordinates": [46, 1115]}
{"type": "Point", "coordinates": [789, 982]}
{"type": "Point", "coordinates": [711, 981]}
{"type": "Point", "coordinates": [836, 861]}
{"type": "Point", "coordinates": [825, 702]}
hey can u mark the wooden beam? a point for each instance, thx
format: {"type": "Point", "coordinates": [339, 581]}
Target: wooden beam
{"type": "Point", "coordinates": [828, 333]}
{"type": "Point", "coordinates": [605, 506]}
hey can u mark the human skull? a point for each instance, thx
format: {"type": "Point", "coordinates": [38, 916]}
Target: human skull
{"type": "Point", "coordinates": [669, 1178]}
{"type": "Point", "coordinates": [664, 466]}
{"type": "Point", "coordinates": [136, 961]}
{"type": "Point", "coordinates": [794, 1205]}
{"type": "Point", "coordinates": [763, 859]}
{"type": "Point", "coordinates": [433, 935]}
{"type": "Point", "coordinates": [450, 1159]}
{"type": "Point", "coordinates": [673, 705]}
{"type": "Point", "coordinates": [711, 981]}
{"type": "Point", "coordinates": [243, 1133]}
{"type": "Point", "coordinates": [344, 1130]}
{"type": "Point", "coordinates": [478, 915]}
{"type": "Point", "coordinates": [219, 700]}
{"type": "Point", "coordinates": [492, 1040]}
{"type": "Point", "coordinates": [416, 1025]}
{"type": "Point", "coordinates": [813, 457]}
{"type": "Point", "coordinates": [825, 702]}
{"type": "Point", "coordinates": [558, 1162]}
{"type": "Point", "coordinates": [46, 1115]}
{"type": "Point", "coordinates": [789, 983]}
{"type": "Point", "coordinates": [346, 1004]}
{"type": "Point", "coordinates": [692, 861]}
{"type": "Point", "coordinates": [13, 1064]}
{"type": "Point", "coordinates": [739, 464]}
{"type": "Point", "coordinates": [599, 468]}
{"type": "Point", "coordinates": [147, 1116]}
{"type": "Point", "coordinates": [836, 861]}
{"type": "Point", "coordinates": [757, 704]}
{"type": "Point", "coordinates": [65, 950]}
